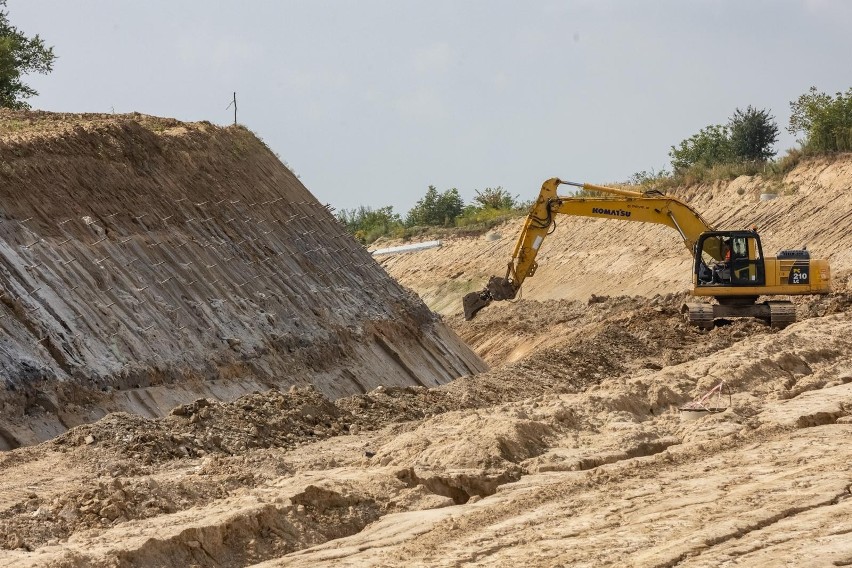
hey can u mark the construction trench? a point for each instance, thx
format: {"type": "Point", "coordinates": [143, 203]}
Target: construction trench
{"type": "Point", "coordinates": [202, 368]}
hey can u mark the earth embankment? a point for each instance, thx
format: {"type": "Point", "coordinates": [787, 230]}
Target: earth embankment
{"type": "Point", "coordinates": [146, 262]}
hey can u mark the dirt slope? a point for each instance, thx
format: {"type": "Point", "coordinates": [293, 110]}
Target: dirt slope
{"type": "Point", "coordinates": [146, 262]}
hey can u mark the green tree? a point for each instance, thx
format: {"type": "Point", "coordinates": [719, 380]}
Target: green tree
{"type": "Point", "coordinates": [825, 121]}
{"type": "Point", "coordinates": [19, 55]}
{"type": "Point", "coordinates": [753, 133]}
{"type": "Point", "coordinates": [368, 224]}
{"type": "Point", "coordinates": [436, 209]}
{"type": "Point", "coordinates": [495, 198]}
{"type": "Point", "coordinates": [712, 145]}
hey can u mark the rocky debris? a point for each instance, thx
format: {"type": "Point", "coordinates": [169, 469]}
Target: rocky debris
{"type": "Point", "coordinates": [297, 470]}
{"type": "Point", "coordinates": [385, 405]}
{"type": "Point", "coordinates": [627, 331]}
{"type": "Point", "coordinates": [35, 522]}
{"type": "Point", "coordinates": [204, 427]}
{"type": "Point", "coordinates": [818, 306]}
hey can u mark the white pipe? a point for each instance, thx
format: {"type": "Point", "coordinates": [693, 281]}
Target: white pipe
{"type": "Point", "coordinates": [407, 248]}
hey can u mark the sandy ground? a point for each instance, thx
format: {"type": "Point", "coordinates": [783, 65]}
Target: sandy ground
{"type": "Point", "coordinates": [571, 455]}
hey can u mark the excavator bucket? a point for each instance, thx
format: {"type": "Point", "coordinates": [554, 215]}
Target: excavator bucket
{"type": "Point", "coordinates": [474, 302]}
{"type": "Point", "coordinates": [501, 288]}
{"type": "Point", "coordinates": [498, 288]}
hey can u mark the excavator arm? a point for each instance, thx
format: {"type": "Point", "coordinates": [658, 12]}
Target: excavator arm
{"type": "Point", "coordinates": [624, 205]}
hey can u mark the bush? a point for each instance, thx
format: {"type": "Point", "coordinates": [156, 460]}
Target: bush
{"type": "Point", "coordinates": [787, 162]}
{"type": "Point", "coordinates": [483, 218]}
{"type": "Point", "coordinates": [727, 171]}
{"type": "Point", "coordinates": [712, 145]}
{"type": "Point", "coordinates": [649, 179]}
{"type": "Point", "coordinates": [434, 212]}
{"type": "Point", "coordinates": [825, 121]}
{"type": "Point", "coordinates": [495, 198]}
{"type": "Point", "coordinates": [368, 224]}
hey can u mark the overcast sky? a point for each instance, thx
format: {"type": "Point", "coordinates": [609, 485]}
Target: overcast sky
{"type": "Point", "coordinates": [371, 101]}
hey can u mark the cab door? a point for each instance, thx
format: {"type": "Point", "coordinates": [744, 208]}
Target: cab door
{"type": "Point", "coordinates": [747, 266]}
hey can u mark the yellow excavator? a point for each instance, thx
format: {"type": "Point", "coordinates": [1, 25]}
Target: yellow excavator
{"type": "Point", "coordinates": [728, 265]}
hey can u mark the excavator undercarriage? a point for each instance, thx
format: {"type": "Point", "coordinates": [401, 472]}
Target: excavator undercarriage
{"type": "Point", "coordinates": [777, 313]}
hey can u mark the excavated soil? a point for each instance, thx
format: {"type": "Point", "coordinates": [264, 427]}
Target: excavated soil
{"type": "Point", "coordinates": [572, 450]}
{"type": "Point", "coordinates": [573, 456]}
{"type": "Point", "coordinates": [145, 263]}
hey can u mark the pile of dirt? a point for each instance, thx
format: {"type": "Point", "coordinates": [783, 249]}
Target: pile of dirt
{"type": "Point", "coordinates": [151, 262]}
{"type": "Point", "coordinates": [576, 345]}
{"type": "Point", "coordinates": [36, 521]}
{"type": "Point", "coordinates": [270, 419]}
{"type": "Point", "coordinates": [600, 338]}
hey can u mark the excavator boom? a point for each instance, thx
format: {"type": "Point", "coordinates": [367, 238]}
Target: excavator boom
{"type": "Point", "coordinates": [625, 205]}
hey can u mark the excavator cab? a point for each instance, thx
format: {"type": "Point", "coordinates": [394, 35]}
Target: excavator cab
{"type": "Point", "coordinates": [729, 258]}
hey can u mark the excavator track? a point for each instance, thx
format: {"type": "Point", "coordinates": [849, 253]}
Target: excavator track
{"type": "Point", "coordinates": [700, 315]}
{"type": "Point", "coordinates": [781, 314]}
{"type": "Point", "coordinates": [778, 314]}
